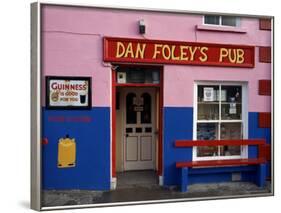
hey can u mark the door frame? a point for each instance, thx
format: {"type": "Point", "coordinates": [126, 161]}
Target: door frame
{"type": "Point", "coordinates": [159, 86]}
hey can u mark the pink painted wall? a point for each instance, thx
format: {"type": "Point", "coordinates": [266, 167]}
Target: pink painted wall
{"type": "Point", "coordinates": [72, 45]}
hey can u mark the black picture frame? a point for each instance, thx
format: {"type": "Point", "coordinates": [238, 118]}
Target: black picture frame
{"type": "Point", "coordinates": [47, 95]}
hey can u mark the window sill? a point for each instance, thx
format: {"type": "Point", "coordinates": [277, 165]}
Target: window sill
{"type": "Point", "coordinates": [233, 157]}
{"type": "Point", "coordinates": [220, 29]}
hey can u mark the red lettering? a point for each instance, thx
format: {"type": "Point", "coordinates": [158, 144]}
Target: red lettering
{"type": "Point", "coordinates": [54, 86]}
{"type": "Point", "coordinates": [56, 118]}
{"type": "Point", "coordinates": [58, 86]}
{"type": "Point", "coordinates": [82, 119]}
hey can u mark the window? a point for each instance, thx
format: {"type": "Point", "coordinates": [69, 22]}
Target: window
{"type": "Point", "coordinates": [221, 20]}
{"type": "Point", "coordinates": [135, 75]}
{"type": "Point", "coordinates": [219, 116]}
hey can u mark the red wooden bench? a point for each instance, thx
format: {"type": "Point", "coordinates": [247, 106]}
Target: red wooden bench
{"type": "Point", "coordinates": [259, 161]}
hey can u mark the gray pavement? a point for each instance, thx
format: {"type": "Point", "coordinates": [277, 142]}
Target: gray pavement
{"type": "Point", "coordinates": [143, 186]}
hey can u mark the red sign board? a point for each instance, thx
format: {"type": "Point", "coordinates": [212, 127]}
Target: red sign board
{"type": "Point", "coordinates": [175, 52]}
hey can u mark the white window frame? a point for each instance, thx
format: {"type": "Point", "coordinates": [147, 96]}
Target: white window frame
{"type": "Point", "coordinates": [238, 21]}
{"type": "Point", "coordinates": [244, 119]}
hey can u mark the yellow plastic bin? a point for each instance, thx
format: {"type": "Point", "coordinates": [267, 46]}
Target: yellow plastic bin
{"type": "Point", "coordinates": [66, 152]}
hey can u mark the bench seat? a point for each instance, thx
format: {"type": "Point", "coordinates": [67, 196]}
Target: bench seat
{"type": "Point", "coordinates": [212, 163]}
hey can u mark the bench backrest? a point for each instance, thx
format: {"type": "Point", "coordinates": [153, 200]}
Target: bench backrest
{"type": "Point", "coordinates": [261, 143]}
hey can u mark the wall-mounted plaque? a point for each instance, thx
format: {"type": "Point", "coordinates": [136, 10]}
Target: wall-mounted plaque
{"type": "Point", "coordinates": [68, 92]}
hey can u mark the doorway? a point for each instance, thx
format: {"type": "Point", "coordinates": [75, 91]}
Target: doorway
{"type": "Point", "coordinates": [137, 105]}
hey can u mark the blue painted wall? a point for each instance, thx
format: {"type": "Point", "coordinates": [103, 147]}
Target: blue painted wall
{"type": "Point", "coordinates": [92, 170]}
{"type": "Point", "coordinates": [255, 132]}
{"type": "Point", "coordinates": [178, 124]}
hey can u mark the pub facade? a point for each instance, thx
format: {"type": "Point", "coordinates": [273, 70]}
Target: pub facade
{"type": "Point", "coordinates": [186, 96]}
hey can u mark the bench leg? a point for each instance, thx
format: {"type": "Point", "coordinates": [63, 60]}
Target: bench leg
{"type": "Point", "coordinates": [184, 179]}
{"type": "Point", "coordinates": [261, 175]}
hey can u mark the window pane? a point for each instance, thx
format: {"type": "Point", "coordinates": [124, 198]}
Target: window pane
{"type": "Point", "coordinates": [231, 131]}
{"type": "Point", "coordinates": [231, 105]}
{"type": "Point", "coordinates": [208, 103]}
{"type": "Point", "coordinates": [207, 131]}
{"type": "Point", "coordinates": [212, 19]}
{"type": "Point", "coordinates": [231, 111]}
{"type": "Point", "coordinates": [229, 21]}
{"type": "Point", "coordinates": [146, 113]}
{"type": "Point", "coordinates": [138, 74]}
{"type": "Point", "coordinates": [131, 114]}
{"type": "Point", "coordinates": [135, 76]}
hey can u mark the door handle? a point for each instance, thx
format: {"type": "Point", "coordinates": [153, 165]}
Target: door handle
{"type": "Point", "coordinates": [127, 135]}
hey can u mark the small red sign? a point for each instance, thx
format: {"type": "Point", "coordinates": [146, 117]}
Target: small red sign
{"type": "Point", "coordinates": [175, 52]}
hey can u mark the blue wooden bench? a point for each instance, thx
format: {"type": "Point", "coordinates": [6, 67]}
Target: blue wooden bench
{"type": "Point", "coordinates": [258, 164]}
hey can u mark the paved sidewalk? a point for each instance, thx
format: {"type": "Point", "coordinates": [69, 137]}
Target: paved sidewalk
{"type": "Point", "coordinates": [148, 193]}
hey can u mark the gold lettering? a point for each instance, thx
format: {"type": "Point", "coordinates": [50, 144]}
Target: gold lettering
{"type": "Point", "coordinates": [120, 50]}
{"type": "Point", "coordinates": [156, 51]}
{"type": "Point", "coordinates": [183, 52]}
{"type": "Point", "coordinates": [129, 50]}
{"type": "Point", "coordinates": [232, 55]}
{"type": "Point", "coordinates": [192, 52]}
{"type": "Point", "coordinates": [240, 56]}
{"type": "Point", "coordinates": [173, 53]}
{"type": "Point", "coordinates": [203, 52]}
{"type": "Point", "coordinates": [140, 50]}
{"type": "Point", "coordinates": [166, 47]}
{"type": "Point", "coordinates": [223, 53]}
